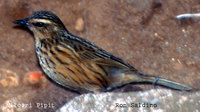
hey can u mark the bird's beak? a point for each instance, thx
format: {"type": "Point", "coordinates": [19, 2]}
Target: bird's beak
{"type": "Point", "coordinates": [21, 22]}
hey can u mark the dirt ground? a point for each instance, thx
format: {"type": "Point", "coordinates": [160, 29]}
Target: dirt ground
{"type": "Point", "coordinates": [144, 33]}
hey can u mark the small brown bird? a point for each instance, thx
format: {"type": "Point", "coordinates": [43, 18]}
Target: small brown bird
{"type": "Point", "coordinates": [78, 64]}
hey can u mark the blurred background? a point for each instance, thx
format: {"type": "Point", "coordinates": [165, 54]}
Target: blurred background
{"type": "Point", "coordinates": [144, 33]}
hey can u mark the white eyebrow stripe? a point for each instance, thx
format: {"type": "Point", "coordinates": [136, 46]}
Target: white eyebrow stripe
{"type": "Point", "coordinates": [42, 20]}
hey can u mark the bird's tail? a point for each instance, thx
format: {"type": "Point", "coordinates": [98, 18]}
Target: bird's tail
{"type": "Point", "coordinates": [141, 78]}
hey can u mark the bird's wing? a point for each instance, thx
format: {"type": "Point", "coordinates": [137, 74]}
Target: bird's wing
{"type": "Point", "coordinates": [89, 51]}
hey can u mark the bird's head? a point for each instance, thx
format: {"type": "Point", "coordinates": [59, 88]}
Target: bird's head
{"type": "Point", "coordinates": [43, 24]}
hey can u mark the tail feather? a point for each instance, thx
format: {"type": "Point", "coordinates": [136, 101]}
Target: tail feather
{"type": "Point", "coordinates": [170, 84]}
{"type": "Point", "coordinates": [141, 78]}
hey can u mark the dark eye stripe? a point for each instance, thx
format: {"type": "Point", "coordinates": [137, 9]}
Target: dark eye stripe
{"type": "Point", "coordinates": [38, 24]}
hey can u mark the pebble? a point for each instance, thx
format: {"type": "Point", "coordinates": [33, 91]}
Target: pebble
{"type": "Point", "coordinates": [79, 24]}
{"type": "Point", "coordinates": [8, 78]}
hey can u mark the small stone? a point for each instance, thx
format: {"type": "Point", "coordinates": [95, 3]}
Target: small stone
{"type": "Point", "coordinates": [190, 62]}
{"type": "Point", "coordinates": [33, 77]}
{"type": "Point", "coordinates": [156, 34]}
{"type": "Point", "coordinates": [79, 24]}
{"type": "Point", "coordinates": [8, 78]}
{"type": "Point", "coordinates": [4, 83]}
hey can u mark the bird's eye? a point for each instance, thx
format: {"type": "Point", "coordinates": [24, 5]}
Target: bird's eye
{"type": "Point", "coordinates": [39, 24]}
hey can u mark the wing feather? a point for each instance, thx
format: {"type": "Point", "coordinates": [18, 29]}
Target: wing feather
{"type": "Point", "coordinates": [89, 51]}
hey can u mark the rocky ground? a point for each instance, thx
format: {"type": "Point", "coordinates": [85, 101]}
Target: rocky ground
{"type": "Point", "coordinates": [144, 33]}
{"type": "Point", "coordinates": [155, 100]}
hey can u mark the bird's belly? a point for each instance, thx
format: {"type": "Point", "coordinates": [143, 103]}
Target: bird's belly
{"type": "Point", "coordinates": [52, 71]}
{"type": "Point", "coordinates": [71, 75]}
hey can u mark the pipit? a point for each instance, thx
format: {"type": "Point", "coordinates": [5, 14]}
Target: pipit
{"type": "Point", "coordinates": [78, 64]}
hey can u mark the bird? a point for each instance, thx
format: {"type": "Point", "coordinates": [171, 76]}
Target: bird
{"type": "Point", "coordinates": [79, 65]}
